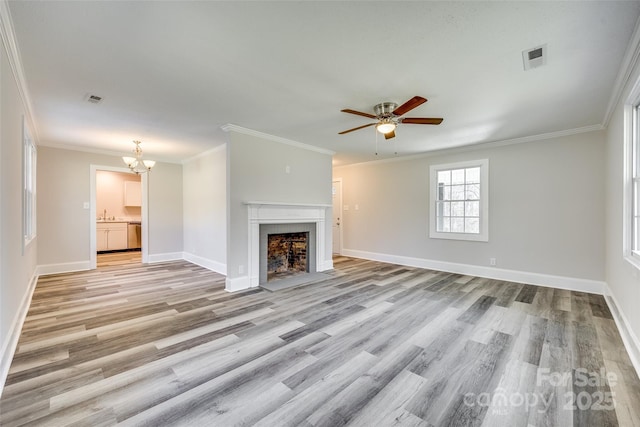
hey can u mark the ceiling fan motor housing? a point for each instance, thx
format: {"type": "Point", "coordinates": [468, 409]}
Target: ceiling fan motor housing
{"type": "Point", "coordinates": [385, 109]}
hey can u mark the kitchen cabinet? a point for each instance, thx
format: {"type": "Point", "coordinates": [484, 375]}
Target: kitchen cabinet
{"type": "Point", "coordinates": [132, 193]}
{"type": "Point", "coordinates": [111, 236]}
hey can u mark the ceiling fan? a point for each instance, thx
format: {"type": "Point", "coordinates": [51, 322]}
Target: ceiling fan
{"type": "Point", "coordinates": [388, 117]}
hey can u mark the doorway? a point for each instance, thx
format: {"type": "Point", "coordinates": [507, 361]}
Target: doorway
{"type": "Point", "coordinates": [336, 191]}
{"type": "Point", "coordinates": [112, 221]}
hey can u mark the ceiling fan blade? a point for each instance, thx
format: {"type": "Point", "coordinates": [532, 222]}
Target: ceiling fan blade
{"type": "Point", "coordinates": [390, 135]}
{"type": "Point", "coordinates": [359, 113]}
{"type": "Point", "coordinates": [409, 105]}
{"type": "Point", "coordinates": [422, 120]}
{"type": "Point", "coordinates": [359, 127]}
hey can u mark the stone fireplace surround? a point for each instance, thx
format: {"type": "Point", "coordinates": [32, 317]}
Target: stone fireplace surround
{"type": "Point", "coordinates": [286, 213]}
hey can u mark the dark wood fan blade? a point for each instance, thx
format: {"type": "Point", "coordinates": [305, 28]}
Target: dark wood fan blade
{"type": "Point", "coordinates": [359, 113]}
{"type": "Point", "coordinates": [359, 127]}
{"type": "Point", "coordinates": [422, 120]}
{"type": "Point", "coordinates": [409, 105]}
{"type": "Point", "coordinates": [390, 135]}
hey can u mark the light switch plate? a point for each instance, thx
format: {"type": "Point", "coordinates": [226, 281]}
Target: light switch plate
{"type": "Point", "coordinates": [85, 205]}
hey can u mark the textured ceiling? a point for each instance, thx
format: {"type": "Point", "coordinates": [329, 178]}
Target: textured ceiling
{"type": "Point", "coordinates": [172, 73]}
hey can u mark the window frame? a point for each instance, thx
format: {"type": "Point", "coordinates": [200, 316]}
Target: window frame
{"type": "Point", "coordinates": [631, 171]}
{"type": "Point", "coordinates": [483, 235]}
{"type": "Point", "coordinates": [29, 168]}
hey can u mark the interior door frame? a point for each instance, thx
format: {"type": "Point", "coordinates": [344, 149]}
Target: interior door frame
{"type": "Point", "coordinates": [144, 213]}
{"type": "Point", "coordinates": [340, 248]}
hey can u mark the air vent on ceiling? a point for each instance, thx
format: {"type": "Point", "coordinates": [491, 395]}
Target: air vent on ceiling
{"type": "Point", "coordinates": [536, 57]}
{"type": "Point", "coordinates": [94, 99]}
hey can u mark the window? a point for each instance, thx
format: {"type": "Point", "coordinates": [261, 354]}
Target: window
{"type": "Point", "coordinates": [631, 199]}
{"type": "Point", "coordinates": [459, 201]}
{"type": "Point", "coordinates": [635, 183]}
{"type": "Point", "coordinates": [28, 186]}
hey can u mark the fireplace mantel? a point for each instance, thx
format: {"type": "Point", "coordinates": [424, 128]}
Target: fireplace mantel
{"type": "Point", "coordinates": [264, 212]}
{"type": "Point", "coordinates": [308, 205]}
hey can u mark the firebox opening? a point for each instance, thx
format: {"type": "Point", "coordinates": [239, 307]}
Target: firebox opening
{"type": "Point", "coordinates": [287, 255]}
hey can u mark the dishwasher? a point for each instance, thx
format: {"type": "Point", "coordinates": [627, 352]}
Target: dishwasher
{"type": "Point", "coordinates": [134, 236]}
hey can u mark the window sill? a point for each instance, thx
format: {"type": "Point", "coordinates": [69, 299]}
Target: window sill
{"type": "Point", "coordinates": [459, 236]}
{"type": "Point", "coordinates": [633, 259]}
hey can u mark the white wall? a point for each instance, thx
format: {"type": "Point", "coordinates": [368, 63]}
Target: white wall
{"type": "Point", "coordinates": [17, 269]}
{"type": "Point", "coordinates": [546, 209]}
{"type": "Point", "coordinates": [256, 171]}
{"type": "Point", "coordinates": [63, 223]}
{"type": "Point", "coordinates": [205, 209]}
{"type": "Point", "coordinates": [165, 212]}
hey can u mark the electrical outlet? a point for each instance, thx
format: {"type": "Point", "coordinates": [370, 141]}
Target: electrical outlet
{"type": "Point", "coordinates": [85, 205]}
{"type": "Point", "coordinates": [492, 262]}
{"type": "Point", "coordinates": [241, 269]}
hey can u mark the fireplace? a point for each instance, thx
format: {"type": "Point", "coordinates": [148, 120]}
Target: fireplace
{"type": "Point", "coordinates": [286, 250]}
{"type": "Point", "coordinates": [262, 215]}
{"type": "Point", "coordinates": [286, 255]}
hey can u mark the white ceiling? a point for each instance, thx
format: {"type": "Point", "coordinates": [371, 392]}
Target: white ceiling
{"type": "Point", "coordinates": [172, 73]}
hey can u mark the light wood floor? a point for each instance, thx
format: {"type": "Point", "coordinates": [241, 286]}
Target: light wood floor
{"type": "Point", "coordinates": [373, 345]}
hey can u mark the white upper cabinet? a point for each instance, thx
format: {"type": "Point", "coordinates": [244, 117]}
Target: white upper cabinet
{"type": "Point", "coordinates": [132, 193]}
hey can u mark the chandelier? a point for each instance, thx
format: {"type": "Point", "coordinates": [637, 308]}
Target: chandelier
{"type": "Point", "coordinates": [136, 164]}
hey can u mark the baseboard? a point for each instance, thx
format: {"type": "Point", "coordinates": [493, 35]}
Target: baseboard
{"type": "Point", "coordinates": [237, 284]}
{"type": "Point", "coordinates": [11, 342]}
{"type": "Point", "coordinates": [629, 338]}
{"type": "Point", "coordinates": [66, 267]}
{"type": "Point", "coordinates": [218, 267]}
{"type": "Point", "coordinates": [562, 282]}
{"type": "Point", "coordinates": [169, 256]}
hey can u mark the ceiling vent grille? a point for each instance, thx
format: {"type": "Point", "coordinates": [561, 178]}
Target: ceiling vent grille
{"type": "Point", "coordinates": [94, 99]}
{"type": "Point", "coordinates": [535, 57]}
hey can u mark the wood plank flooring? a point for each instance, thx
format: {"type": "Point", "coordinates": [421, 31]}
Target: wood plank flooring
{"type": "Point", "coordinates": [372, 345]}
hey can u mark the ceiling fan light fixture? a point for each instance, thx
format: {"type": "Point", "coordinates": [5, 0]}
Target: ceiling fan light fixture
{"type": "Point", "coordinates": [386, 127]}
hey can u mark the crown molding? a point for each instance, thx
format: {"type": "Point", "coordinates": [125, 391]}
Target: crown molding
{"type": "Point", "coordinates": [239, 129]}
{"type": "Point", "coordinates": [482, 145]}
{"type": "Point", "coordinates": [13, 55]}
{"type": "Point", "coordinates": [629, 63]}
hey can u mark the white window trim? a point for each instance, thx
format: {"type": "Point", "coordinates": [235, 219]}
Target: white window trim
{"type": "Point", "coordinates": [29, 162]}
{"type": "Point", "coordinates": [629, 137]}
{"type": "Point", "coordinates": [483, 236]}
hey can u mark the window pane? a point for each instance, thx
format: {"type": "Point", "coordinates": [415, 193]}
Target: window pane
{"type": "Point", "coordinates": [457, 225]}
{"type": "Point", "coordinates": [472, 225]}
{"type": "Point", "coordinates": [457, 176]}
{"type": "Point", "coordinates": [472, 192]}
{"type": "Point", "coordinates": [473, 175]}
{"type": "Point", "coordinates": [457, 208]}
{"type": "Point", "coordinates": [444, 224]}
{"type": "Point", "coordinates": [444, 177]}
{"type": "Point", "coordinates": [472, 209]}
{"type": "Point", "coordinates": [457, 192]}
{"type": "Point", "coordinates": [443, 209]}
{"type": "Point", "coordinates": [446, 192]}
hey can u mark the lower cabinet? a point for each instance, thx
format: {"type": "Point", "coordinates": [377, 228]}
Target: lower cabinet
{"type": "Point", "coordinates": [111, 236]}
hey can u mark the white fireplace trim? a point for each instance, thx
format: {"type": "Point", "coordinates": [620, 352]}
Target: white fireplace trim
{"type": "Point", "coordinates": [284, 213]}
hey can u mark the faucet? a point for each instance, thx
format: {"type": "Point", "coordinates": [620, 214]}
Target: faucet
{"type": "Point", "coordinates": [104, 215]}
